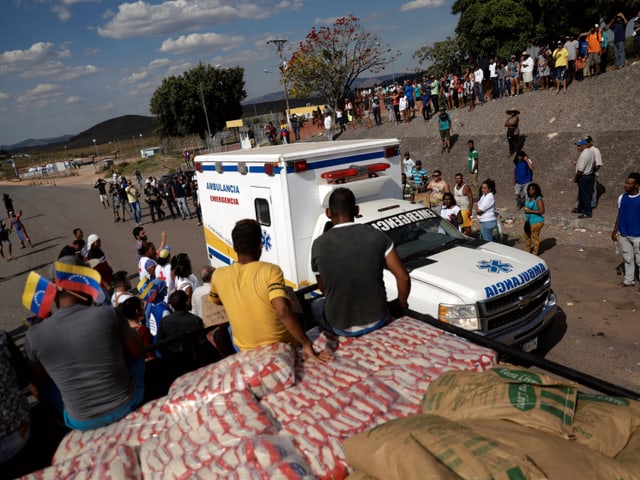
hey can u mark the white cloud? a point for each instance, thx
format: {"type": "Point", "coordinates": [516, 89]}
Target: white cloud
{"type": "Point", "coordinates": [4, 96]}
{"type": "Point", "coordinates": [415, 4]}
{"type": "Point", "coordinates": [159, 63]}
{"type": "Point", "coordinates": [61, 12]}
{"type": "Point", "coordinates": [140, 19]}
{"type": "Point", "coordinates": [135, 78]}
{"type": "Point", "coordinates": [17, 60]}
{"type": "Point", "coordinates": [72, 100]}
{"type": "Point", "coordinates": [106, 107]}
{"type": "Point", "coordinates": [197, 42]}
{"type": "Point", "coordinates": [41, 95]}
{"type": "Point", "coordinates": [60, 71]}
{"type": "Point", "coordinates": [325, 21]}
{"type": "Point", "coordinates": [288, 5]}
{"type": "Point", "coordinates": [180, 68]}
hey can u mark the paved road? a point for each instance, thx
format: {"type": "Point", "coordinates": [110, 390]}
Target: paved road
{"type": "Point", "coordinates": [50, 213]}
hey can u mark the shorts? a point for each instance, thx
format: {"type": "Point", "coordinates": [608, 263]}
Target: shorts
{"type": "Point", "coordinates": [527, 77]}
{"type": "Point", "coordinates": [445, 134]}
{"type": "Point", "coordinates": [560, 72]}
{"type": "Point", "coordinates": [103, 198]}
{"type": "Point", "coordinates": [466, 218]}
{"type": "Point", "coordinates": [593, 59]}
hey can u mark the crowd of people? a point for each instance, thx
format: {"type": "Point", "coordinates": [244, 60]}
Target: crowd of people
{"type": "Point", "coordinates": [173, 193]}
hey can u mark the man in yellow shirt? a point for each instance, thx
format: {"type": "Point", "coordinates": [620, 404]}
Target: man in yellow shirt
{"type": "Point", "coordinates": [561, 60]}
{"type": "Point", "coordinates": [254, 297]}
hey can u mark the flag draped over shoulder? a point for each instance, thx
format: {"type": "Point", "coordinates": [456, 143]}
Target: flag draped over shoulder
{"type": "Point", "coordinates": [39, 295]}
{"type": "Point", "coordinates": [147, 290]}
{"type": "Point", "coordinates": [78, 278]}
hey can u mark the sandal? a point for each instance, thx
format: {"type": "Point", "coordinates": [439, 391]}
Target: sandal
{"type": "Point", "coordinates": [624, 285]}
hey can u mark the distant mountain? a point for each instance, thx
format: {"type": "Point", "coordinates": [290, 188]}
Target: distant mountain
{"type": "Point", "coordinates": [35, 143]}
{"type": "Point", "coordinates": [119, 128]}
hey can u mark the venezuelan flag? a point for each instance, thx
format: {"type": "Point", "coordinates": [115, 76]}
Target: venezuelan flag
{"type": "Point", "coordinates": [78, 278]}
{"type": "Point", "coordinates": [147, 290]}
{"type": "Point", "coordinates": [39, 294]}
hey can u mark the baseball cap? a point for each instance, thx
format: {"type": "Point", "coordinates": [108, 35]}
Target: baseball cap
{"type": "Point", "coordinates": [165, 252]}
{"type": "Point", "coordinates": [582, 141]}
{"type": "Point", "coordinates": [525, 53]}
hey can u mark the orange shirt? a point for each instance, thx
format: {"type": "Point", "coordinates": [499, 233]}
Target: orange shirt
{"type": "Point", "coordinates": [593, 42]}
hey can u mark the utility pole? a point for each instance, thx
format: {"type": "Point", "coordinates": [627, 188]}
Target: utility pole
{"type": "Point", "coordinates": [279, 43]}
{"type": "Point", "coordinates": [206, 117]}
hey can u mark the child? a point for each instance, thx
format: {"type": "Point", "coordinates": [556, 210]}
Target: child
{"type": "Point", "coordinates": [21, 231]}
{"type": "Point", "coordinates": [580, 63]}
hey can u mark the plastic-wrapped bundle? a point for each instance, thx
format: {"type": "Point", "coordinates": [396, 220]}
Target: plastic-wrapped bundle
{"type": "Point", "coordinates": [146, 422]}
{"type": "Point", "coordinates": [116, 462]}
{"type": "Point", "coordinates": [315, 382]}
{"type": "Point", "coordinates": [411, 383]}
{"type": "Point", "coordinates": [257, 456]}
{"type": "Point", "coordinates": [226, 421]}
{"type": "Point", "coordinates": [264, 370]}
{"type": "Point", "coordinates": [459, 354]}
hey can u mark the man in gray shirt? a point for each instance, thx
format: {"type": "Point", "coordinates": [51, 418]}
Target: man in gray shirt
{"type": "Point", "coordinates": [348, 261]}
{"type": "Point", "coordinates": [86, 361]}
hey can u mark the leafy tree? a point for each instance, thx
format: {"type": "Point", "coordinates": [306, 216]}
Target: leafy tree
{"type": "Point", "coordinates": [330, 59]}
{"type": "Point", "coordinates": [442, 56]}
{"type": "Point", "coordinates": [489, 28]}
{"type": "Point", "coordinates": [501, 27]}
{"type": "Point", "coordinates": [177, 104]}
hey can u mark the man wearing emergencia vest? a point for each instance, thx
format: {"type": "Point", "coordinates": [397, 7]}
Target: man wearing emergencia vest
{"type": "Point", "coordinates": [348, 261]}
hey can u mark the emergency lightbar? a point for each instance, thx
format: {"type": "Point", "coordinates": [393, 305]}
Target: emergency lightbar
{"type": "Point", "coordinates": [353, 172]}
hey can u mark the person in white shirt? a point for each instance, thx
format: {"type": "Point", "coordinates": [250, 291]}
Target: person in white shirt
{"type": "Point", "coordinates": [479, 78]}
{"type": "Point", "coordinates": [328, 125]}
{"type": "Point", "coordinates": [486, 209]}
{"type": "Point", "coordinates": [202, 290]}
{"type": "Point", "coordinates": [527, 71]}
{"type": "Point", "coordinates": [493, 76]}
{"type": "Point", "coordinates": [450, 210]}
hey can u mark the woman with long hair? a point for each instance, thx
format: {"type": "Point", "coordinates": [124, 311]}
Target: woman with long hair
{"type": "Point", "coordinates": [534, 217]}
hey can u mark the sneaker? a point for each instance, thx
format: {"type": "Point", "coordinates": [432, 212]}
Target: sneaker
{"type": "Point", "coordinates": [584, 216]}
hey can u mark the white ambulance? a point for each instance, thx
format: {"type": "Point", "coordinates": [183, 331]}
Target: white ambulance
{"type": "Point", "coordinates": [487, 287]}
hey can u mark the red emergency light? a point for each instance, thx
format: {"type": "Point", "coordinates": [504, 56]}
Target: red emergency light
{"type": "Point", "coordinates": [354, 171]}
{"type": "Point", "coordinates": [300, 166]}
{"type": "Point", "coordinates": [269, 168]}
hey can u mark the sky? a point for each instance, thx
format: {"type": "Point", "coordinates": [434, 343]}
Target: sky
{"type": "Point", "coordinates": [66, 65]}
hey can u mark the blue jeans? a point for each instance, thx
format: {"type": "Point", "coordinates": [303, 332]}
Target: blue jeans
{"type": "Point", "coordinates": [486, 229]}
{"type": "Point", "coordinates": [136, 212]}
{"type": "Point", "coordinates": [183, 207]}
{"type": "Point", "coordinates": [618, 48]}
{"type": "Point", "coordinates": [317, 312]}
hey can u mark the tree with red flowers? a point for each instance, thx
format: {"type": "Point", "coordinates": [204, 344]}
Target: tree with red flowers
{"type": "Point", "coordinates": [330, 59]}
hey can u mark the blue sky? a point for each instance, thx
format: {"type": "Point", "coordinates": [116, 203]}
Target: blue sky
{"type": "Point", "coordinates": [66, 65]}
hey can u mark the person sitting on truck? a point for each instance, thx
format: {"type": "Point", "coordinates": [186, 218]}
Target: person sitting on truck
{"type": "Point", "coordinates": [90, 383]}
{"type": "Point", "coordinates": [348, 261]}
{"type": "Point", "coordinates": [254, 297]}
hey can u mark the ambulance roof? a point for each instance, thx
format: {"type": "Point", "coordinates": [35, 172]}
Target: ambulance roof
{"type": "Point", "coordinates": [295, 151]}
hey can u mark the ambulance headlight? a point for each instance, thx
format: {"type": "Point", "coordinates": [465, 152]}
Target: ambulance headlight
{"type": "Point", "coordinates": [463, 316]}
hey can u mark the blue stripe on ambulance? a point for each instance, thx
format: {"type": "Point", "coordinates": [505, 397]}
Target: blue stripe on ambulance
{"type": "Point", "coordinates": [310, 166]}
{"type": "Point", "coordinates": [215, 253]}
